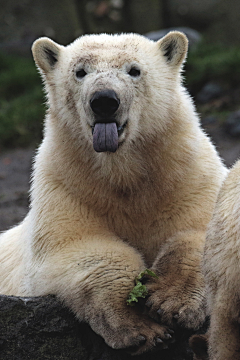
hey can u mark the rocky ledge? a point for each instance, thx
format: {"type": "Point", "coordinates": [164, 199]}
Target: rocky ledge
{"type": "Point", "coordinates": [42, 328]}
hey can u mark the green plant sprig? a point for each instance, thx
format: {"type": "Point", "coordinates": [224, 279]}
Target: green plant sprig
{"type": "Point", "coordinates": [139, 290]}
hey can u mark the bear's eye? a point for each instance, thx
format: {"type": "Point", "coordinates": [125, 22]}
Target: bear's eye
{"type": "Point", "coordinates": [80, 73]}
{"type": "Point", "coordinates": [135, 72]}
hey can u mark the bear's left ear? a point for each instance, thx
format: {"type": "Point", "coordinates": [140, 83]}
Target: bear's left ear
{"type": "Point", "coordinates": [46, 54]}
{"type": "Point", "coordinates": [174, 47]}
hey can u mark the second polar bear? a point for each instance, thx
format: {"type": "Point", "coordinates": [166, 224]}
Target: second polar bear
{"type": "Point", "coordinates": [124, 179]}
{"type": "Point", "coordinates": [222, 272]}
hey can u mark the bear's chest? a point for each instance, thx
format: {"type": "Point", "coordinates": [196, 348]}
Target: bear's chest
{"type": "Point", "coordinates": [146, 230]}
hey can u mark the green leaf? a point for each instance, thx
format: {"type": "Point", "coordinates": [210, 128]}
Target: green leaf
{"type": "Point", "coordinates": [139, 290]}
{"type": "Point", "coordinates": [146, 272]}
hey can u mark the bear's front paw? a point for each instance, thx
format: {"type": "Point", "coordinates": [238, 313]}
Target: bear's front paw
{"type": "Point", "coordinates": [142, 337]}
{"type": "Point", "coordinates": [134, 333]}
{"type": "Point", "coordinates": [175, 303]}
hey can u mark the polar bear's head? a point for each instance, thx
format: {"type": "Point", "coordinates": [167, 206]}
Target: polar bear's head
{"type": "Point", "coordinates": [112, 89]}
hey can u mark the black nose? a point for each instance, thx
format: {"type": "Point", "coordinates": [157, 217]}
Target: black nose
{"type": "Point", "coordinates": [104, 103]}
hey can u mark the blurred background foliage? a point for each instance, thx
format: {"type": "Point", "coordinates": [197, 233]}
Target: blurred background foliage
{"type": "Point", "coordinates": [212, 71]}
{"type": "Point", "coordinates": [21, 102]}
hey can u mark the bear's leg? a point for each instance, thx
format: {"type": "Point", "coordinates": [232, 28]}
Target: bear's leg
{"type": "Point", "coordinates": [93, 277]}
{"type": "Point", "coordinates": [178, 295]}
{"type": "Point", "coordinates": [224, 334]}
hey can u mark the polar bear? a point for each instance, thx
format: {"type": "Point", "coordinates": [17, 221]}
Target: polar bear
{"type": "Point", "coordinates": [221, 265]}
{"type": "Point", "coordinates": [124, 179]}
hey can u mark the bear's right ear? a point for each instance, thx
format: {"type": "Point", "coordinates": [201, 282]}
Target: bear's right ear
{"type": "Point", "coordinates": [46, 54]}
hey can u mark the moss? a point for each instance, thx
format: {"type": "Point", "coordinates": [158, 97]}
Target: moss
{"type": "Point", "coordinates": [21, 102]}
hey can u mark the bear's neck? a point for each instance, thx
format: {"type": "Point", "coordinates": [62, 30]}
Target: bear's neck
{"type": "Point", "coordinates": [152, 165]}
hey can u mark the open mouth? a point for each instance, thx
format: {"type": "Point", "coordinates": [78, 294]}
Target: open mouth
{"type": "Point", "coordinates": [106, 136]}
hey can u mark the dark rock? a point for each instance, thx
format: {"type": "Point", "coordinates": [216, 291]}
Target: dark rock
{"type": "Point", "coordinates": [15, 167]}
{"type": "Point", "coordinates": [232, 124]}
{"type": "Point", "coordinates": [193, 36]}
{"type": "Point", "coordinates": [209, 92]}
{"type": "Point", "coordinates": [42, 328]}
{"type": "Point", "coordinates": [38, 328]}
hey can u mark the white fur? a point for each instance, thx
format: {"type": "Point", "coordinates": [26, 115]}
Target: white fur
{"type": "Point", "coordinates": [97, 219]}
{"type": "Point", "coordinates": [222, 271]}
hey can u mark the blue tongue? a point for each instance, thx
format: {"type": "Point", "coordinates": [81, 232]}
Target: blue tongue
{"type": "Point", "coordinates": [105, 137]}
